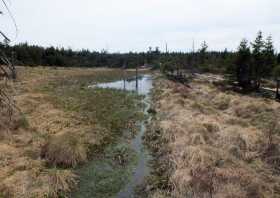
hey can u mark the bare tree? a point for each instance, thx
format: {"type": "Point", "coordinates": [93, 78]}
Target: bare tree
{"type": "Point", "coordinates": [7, 72]}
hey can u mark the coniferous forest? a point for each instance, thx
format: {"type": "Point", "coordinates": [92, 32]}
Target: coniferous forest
{"type": "Point", "coordinates": [251, 61]}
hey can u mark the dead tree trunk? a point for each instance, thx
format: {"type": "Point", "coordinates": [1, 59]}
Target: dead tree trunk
{"type": "Point", "coordinates": [7, 72]}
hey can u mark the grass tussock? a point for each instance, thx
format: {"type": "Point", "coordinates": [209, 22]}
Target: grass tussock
{"type": "Point", "coordinates": [257, 113]}
{"type": "Point", "coordinates": [217, 144]}
{"type": "Point", "coordinates": [65, 150]}
{"type": "Point", "coordinates": [222, 101]}
{"type": "Point", "coordinates": [202, 107]}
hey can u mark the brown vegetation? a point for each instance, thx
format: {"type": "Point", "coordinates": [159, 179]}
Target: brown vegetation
{"type": "Point", "coordinates": [65, 150]}
{"type": "Point", "coordinates": [218, 144]}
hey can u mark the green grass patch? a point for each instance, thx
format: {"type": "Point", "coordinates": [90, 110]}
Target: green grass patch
{"type": "Point", "coordinates": [109, 108]}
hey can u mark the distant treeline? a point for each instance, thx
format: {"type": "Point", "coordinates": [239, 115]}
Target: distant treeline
{"type": "Point", "coordinates": [202, 59]}
{"type": "Point", "coordinates": [32, 55]}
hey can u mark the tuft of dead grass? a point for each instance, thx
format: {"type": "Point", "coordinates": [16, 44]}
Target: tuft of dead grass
{"type": "Point", "coordinates": [65, 150]}
{"type": "Point", "coordinates": [251, 109]}
{"type": "Point", "coordinates": [222, 101]}
{"type": "Point", "coordinates": [202, 108]}
{"type": "Point", "coordinates": [62, 182]}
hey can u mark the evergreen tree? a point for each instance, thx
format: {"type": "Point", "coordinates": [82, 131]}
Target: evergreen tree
{"type": "Point", "coordinates": [258, 60]}
{"type": "Point", "coordinates": [203, 51]}
{"type": "Point", "coordinates": [243, 74]}
{"type": "Point", "coordinates": [204, 47]}
{"type": "Point", "coordinates": [269, 56]}
{"type": "Point", "coordinates": [225, 53]}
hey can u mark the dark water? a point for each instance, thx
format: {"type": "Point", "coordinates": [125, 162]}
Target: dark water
{"type": "Point", "coordinates": [142, 86]}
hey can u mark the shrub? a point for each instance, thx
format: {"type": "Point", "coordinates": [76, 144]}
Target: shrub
{"type": "Point", "coordinates": [65, 150]}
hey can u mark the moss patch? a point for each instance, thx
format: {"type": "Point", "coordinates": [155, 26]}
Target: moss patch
{"type": "Point", "coordinates": [106, 175]}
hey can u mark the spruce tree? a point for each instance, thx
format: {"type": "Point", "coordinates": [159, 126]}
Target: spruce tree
{"type": "Point", "coordinates": [243, 74]}
{"type": "Point", "coordinates": [269, 56]}
{"type": "Point", "coordinates": [203, 51]}
{"type": "Point", "coordinates": [258, 60]}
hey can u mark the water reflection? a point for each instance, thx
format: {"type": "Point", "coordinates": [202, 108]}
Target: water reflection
{"type": "Point", "coordinates": [141, 85]}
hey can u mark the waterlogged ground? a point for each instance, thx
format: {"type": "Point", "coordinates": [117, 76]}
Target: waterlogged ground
{"type": "Point", "coordinates": [73, 140]}
{"type": "Point", "coordinates": [119, 163]}
{"type": "Point", "coordinates": [106, 175]}
{"type": "Point", "coordinates": [124, 164]}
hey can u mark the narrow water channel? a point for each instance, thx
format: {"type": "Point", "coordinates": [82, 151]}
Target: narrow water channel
{"type": "Point", "coordinates": [142, 85]}
{"type": "Point", "coordinates": [142, 168]}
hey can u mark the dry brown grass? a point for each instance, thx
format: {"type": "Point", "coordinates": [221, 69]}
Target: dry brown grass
{"type": "Point", "coordinates": [216, 142]}
{"type": "Point", "coordinates": [62, 182]}
{"type": "Point", "coordinates": [65, 150]}
{"type": "Point", "coordinates": [222, 101]}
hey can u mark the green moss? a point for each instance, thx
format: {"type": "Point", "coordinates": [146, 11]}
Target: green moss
{"type": "Point", "coordinates": [106, 175]}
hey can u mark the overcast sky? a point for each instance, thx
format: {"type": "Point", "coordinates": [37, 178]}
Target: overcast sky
{"type": "Point", "coordinates": [134, 25]}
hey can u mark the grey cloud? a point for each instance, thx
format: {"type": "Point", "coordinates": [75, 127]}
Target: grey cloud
{"type": "Point", "coordinates": [126, 25]}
